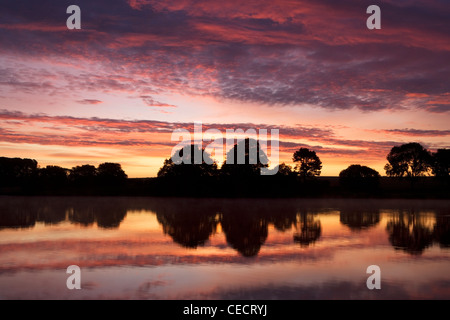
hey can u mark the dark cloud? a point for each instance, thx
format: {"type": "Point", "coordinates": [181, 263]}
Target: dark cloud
{"type": "Point", "coordinates": [439, 107]}
{"type": "Point", "coordinates": [283, 53]}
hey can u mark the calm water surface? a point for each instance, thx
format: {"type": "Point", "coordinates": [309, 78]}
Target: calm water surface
{"type": "Point", "coordinates": [155, 248]}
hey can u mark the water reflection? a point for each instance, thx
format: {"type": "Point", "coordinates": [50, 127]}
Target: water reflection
{"type": "Point", "coordinates": [410, 232]}
{"type": "Point", "coordinates": [245, 223]}
{"type": "Point", "coordinates": [413, 232]}
{"type": "Point", "coordinates": [359, 219]}
{"type": "Point", "coordinates": [307, 229]}
{"type": "Point", "coordinates": [107, 215]}
{"type": "Point", "coordinates": [188, 222]}
{"type": "Point", "coordinates": [442, 231]}
{"type": "Point", "coordinates": [245, 229]}
{"type": "Point", "coordinates": [16, 213]}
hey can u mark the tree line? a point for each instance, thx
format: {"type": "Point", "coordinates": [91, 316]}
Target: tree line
{"type": "Point", "coordinates": [26, 175]}
{"type": "Point", "coordinates": [205, 178]}
{"type": "Point", "coordinates": [407, 160]}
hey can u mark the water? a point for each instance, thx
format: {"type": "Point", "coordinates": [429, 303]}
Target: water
{"type": "Point", "coordinates": [157, 248]}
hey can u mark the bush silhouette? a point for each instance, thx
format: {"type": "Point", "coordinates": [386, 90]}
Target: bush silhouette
{"type": "Point", "coordinates": [357, 177]}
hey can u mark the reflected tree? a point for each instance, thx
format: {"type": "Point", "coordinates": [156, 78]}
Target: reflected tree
{"type": "Point", "coordinates": [307, 229]}
{"type": "Point", "coordinates": [442, 230]}
{"type": "Point", "coordinates": [107, 213]}
{"type": "Point", "coordinates": [110, 215]}
{"type": "Point", "coordinates": [189, 222]}
{"type": "Point", "coordinates": [245, 235]}
{"type": "Point", "coordinates": [245, 228]}
{"type": "Point", "coordinates": [189, 230]}
{"type": "Point", "coordinates": [358, 220]}
{"type": "Point", "coordinates": [82, 214]}
{"type": "Point", "coordinates": [284, 221]}
{"type": "Point", "coordinates": [14, 215]}
{"type": "Point", "coordinates": [52, 211]}
{"type": "Point", "coordinates": [410, 232]}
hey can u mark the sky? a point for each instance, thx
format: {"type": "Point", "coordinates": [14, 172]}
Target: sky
{"type": "Point", "coordinates": [115, 90]}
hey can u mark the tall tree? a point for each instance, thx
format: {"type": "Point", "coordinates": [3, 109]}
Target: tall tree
{"type": "Point", "coordinates": [308, 164]}
{"type": "Point", "coordinates": [408, 160]}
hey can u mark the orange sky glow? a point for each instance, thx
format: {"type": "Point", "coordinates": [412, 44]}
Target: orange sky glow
{"type": "Point", "coordinates": [115, 90]}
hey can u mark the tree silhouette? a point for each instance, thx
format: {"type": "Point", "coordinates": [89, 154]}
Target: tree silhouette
{"type": "Point", "coordinates": [16, 171]}
{"type": "Point", "coordinates": [359, 177]}
{"type": "Point", "coordinates": [307, 162]}
{"type": "Point", "coordinates": [188, 167]}
{"type": "Point", "coordinates": [284, 170]}
{"type": "Point", "coordinates": [408, 160]}
{"type": "Point", "coordinates": [111, 174]}
{"type": "Point", "coordinates": [84, 175]}
{"type": "Point", "coordinates": [245, 159]}
{"type": "Point", "coordinates": [54, 177]}
{"type": "Point", "coordinates": [441, 163]}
